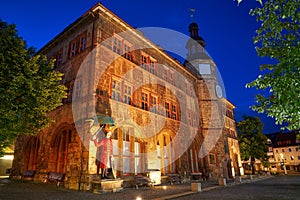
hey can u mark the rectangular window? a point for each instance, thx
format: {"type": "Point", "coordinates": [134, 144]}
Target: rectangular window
{"type": "Point", "coordinates": [137, 158]}
{"type": "Point", "coordinates": [117, 46]}
{"type": "Point", "coordinates": [145, 62]}
{"type": "Point", "coordinates": [116, 90]}
{"type": "Point", "coordinates": [127, 94]}
{"type": "Point", "coordinates": [77, 45]}
{"type": "Point", "coordinates": [152, 67]}
{"type": "Point", "coordinates": [153, 104]}
{"type": "Point", "coordinates": [59, 58]}
{"type": "Point", "coordinates": [174, 111]}
{"type": "Point", "coordinates": [290, 150]}
{"type": "Point", "coordinates": [212, 160]}
{"type": "Point", "coordinates": [168, 109]}
{"type": "Point", "coordinates": [270, 149]}
{"type": "Point", "coordinates": [127, 52]}
{"type": "Point", "coordinates": [82, 44]}
{"type": "Point", "coordinates": [144, 101]}
{"type": "Point", "coordinates": [73, 48]}
{"type": "Point", "coordinates": [77, 91]}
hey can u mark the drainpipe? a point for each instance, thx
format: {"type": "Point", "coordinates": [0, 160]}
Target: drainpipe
{"type": "Point", "coordinates": [87, 108]}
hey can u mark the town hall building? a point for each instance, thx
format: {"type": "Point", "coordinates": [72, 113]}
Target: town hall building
{"type": "Point", "coordinates": [164, 115]}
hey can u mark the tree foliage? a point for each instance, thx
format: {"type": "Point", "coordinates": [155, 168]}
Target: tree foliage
{"type": "Point", "coordinates": [278, 38]}
{"type": "Point", "coordinates": [253, 143]}
{"type": "Point", "coordinates": [29, 87]}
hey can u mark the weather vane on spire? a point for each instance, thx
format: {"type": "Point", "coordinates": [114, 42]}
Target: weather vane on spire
{"type": "Point", "coordinates": [192, 10]}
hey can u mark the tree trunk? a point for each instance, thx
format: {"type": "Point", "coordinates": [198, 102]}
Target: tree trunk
{"type": "Point", "coordinates": [252, 165]}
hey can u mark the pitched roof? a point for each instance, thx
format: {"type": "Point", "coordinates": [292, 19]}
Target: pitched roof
{"type": "Point", "coordinates": [284, 139]}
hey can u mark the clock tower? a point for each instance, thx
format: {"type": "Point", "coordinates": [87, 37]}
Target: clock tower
{"type": "Point", "coordinates": [209, 94]}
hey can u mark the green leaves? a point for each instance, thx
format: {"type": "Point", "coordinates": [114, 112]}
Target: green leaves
{"type": "Point", "coordinates": [278, 38]}
{"type": "Point", "coordinates": [29, 88]}
{"type": "Point", "coordinates": [253, 144]}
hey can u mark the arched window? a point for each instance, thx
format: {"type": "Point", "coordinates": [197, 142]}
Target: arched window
{"type": "Point", "coordinates": [30, 153]}
{"type": "Point", "coordinates": [60, 145]}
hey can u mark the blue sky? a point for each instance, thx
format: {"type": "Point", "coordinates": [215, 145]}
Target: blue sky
{"type": "Point", "coordinates": [227, 28]}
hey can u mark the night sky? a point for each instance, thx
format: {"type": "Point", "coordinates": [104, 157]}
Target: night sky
{"type": "Point", "coordinates": [227, 28]}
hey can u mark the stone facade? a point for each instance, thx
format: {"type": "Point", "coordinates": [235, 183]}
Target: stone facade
{"type": "Point", "coordinates": [167, 115]}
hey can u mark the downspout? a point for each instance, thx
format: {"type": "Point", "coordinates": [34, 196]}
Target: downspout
{"type": "Point", "coordinates": [87, 108]}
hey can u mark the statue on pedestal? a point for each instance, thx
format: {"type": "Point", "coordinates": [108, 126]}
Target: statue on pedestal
{"type": "Point", "coordinates": [104, 154]}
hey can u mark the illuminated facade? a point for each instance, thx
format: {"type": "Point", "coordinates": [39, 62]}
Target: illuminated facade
{"type": "Point", "coordinates": [284, 152]}
{"type": "Point", "coordinates": [179, 104]}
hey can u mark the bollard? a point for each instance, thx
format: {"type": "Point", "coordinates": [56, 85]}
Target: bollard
{"type": "Point", "coordinates": [222, 181]}
{"type": "Point", "coordinates": [196, 187]}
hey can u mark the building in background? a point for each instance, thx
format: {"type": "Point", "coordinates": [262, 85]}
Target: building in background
{"type": "Point", "coordinates": [232, 148]}
{"type": "Point", "coordinates": [284, 152]}
{"type": "Point", "coordinates": [183, 107]}
{"type": "Point", "coordinates": [6, 161]}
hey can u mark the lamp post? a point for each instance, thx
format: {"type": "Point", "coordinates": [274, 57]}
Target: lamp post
{"type": "Point", "coordinates": [283, 164]}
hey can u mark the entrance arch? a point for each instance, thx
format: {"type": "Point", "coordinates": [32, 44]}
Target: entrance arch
{"type": "Point", "coordinates": [59, 148]}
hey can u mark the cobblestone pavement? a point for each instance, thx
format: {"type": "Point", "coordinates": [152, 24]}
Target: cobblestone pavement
{"type": "Point", "coordinates": [279, 187]}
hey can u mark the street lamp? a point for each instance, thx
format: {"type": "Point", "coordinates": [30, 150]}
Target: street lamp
{"type": "Point", "coordinates": [282, 163]}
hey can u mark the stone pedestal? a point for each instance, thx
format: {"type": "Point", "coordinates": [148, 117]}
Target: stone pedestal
{"type": "Point", "coordinates": [108, 185]}
{"type": "Point", "coordinates": [222, 181]}
{"type": "Point", "coordinates": [196, 187]}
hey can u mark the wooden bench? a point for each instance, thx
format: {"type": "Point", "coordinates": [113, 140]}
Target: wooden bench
{"type": "Point", "coordinates": [56, 177]}
{"type": "Point", "coordinates": [28, 174]}
{"type": "Point", "coordinates": [174, 179]}
{"type": "Point", "coordinates": [140, 180]}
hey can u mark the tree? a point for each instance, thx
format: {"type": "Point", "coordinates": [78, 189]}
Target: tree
{"type": "Point", "coordinates": [29, 87]}
{"type": "Point", "coordinates": [278, 38]}
{"type": "Point", "coordinates": [253, 143]}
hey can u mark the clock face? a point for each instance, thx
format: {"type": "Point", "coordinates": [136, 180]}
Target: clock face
{"type": "Point", "coordinates": [204, 69]}
{"type": "Point", "coordinates": [219, 92]}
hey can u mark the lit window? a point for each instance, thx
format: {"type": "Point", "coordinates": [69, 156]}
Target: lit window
{"type": "Point", "coordinates": [292, 157]}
